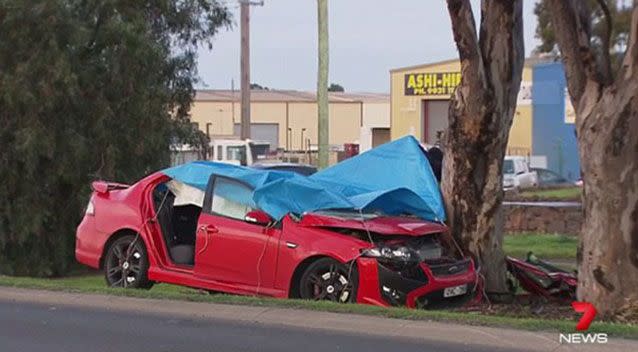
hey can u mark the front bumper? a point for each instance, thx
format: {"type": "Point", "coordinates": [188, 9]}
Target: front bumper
{"type": "Point", "coordinates": [422, 286]}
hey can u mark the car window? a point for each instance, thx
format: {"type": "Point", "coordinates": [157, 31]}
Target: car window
{"type": "Point", "coordinates": [236, 153]}
{"type": "Point", "coordinates": [544, 175]}
{"type": "Point", "coordinates": [231, 198]}
{"type": "Point", "coordinates": [508, 167]}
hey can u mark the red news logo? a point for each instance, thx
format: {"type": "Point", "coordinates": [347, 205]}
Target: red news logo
{"type": "Point", "coordinates": [589, 313]}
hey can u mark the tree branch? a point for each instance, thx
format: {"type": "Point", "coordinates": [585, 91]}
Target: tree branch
{"type": "Point", "coordinates": [502, 46]}
{"type": "Point", "coordinates": [570, 19]}
{"type": "Point", "coordinates": [466, 39]}
{"type": "Point", "coordinates": [464, 28]}
{"type": "Point", "coordinates": [631, 55]}
{"type": "Point", "coordinates": [605, 69]}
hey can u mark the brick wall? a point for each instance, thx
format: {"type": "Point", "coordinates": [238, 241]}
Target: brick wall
{"type": "Point", "coordinates": [563, 219]}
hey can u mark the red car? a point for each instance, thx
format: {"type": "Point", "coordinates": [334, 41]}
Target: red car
{"type": "Point", "coordinates": [142, 234]}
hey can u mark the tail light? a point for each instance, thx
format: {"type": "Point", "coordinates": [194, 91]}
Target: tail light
{"type": "Point", "coordinates": [90, 208]}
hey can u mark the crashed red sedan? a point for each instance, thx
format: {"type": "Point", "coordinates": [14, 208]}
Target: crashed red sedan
{"type": "Point", "coordinates": [163, 230]}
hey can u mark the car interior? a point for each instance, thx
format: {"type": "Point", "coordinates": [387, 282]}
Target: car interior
{"type": "Point", "coordinates": [178, 221]}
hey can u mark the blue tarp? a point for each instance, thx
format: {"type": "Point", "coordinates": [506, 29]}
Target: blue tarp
{"type": "Point", "coordinates": [394, 178]}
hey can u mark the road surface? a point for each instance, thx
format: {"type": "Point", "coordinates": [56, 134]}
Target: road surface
{"type": "Point", "coordinates": [52, 321]}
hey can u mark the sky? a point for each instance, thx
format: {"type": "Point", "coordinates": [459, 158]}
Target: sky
{"type": "Point", "coordinates": [367, 39]}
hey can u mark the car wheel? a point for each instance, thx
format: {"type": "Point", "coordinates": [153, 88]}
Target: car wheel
{"type": "Point", "coordinates": [126, 263]}
{"type": "Point", "coordinates": [328, 279]}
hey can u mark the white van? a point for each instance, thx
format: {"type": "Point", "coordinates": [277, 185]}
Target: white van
{"type": "Point", "coordinates": [516, 173]}
{"type": "Point", "coordinates": [237, 151]}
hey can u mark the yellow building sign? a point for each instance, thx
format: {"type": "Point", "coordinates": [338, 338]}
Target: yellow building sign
{"type": "Point", "coordinates": [439, 83]}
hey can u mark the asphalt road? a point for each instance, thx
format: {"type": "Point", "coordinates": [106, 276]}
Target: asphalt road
{"type": "Point", "coordinates": [29, 327]}
{"type": "Point", "coordinates": [47, 321]}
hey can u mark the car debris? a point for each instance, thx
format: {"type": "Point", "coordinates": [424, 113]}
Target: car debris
{"type": "Point", "coordinates": [542, 278]}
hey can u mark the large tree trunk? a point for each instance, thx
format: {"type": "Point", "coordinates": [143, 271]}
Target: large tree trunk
{"type": "Point", "coordinates": [480, 117]}
{"type": "Point", "coordinates": [607, 129]}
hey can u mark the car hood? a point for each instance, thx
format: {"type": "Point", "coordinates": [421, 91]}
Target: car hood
{"type": "Point", "coordinates": [386, 225]}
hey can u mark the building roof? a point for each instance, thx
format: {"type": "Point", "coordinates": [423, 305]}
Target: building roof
{"type": "Point", "coordinates": [225, 95]}
{"type": "Point", "coordinates": [529, 62]}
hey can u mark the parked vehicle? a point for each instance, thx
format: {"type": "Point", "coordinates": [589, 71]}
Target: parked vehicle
{"type": "Point", "coordinates": [302, 169]}
{"type": "Point", "coordinates": [517, 175]}
{"type": "Point", "coordinates": [237, 151]}
{"type": "Point", "coordinates": [239, 230]}
{"type": "Point", "coordinates": [550, 178]}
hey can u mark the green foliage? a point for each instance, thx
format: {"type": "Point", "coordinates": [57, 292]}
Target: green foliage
{"type": "Point", "coordinates": [88, 89]}
{"type": "Point", "coordinates": [335, 87]}
{"type": "Point", "coordinates": [621, 19]}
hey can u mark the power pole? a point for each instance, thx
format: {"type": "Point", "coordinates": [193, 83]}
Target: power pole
{"type": "Point", "coordinates": [245, 65]}
{"type": "Point", "coordinates": [322, 83]}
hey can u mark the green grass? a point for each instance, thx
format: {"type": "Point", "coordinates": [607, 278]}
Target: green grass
{"type": "Point", "coordinates": [95, 285]}
{"type": "Point", "coordinates": [543, 245]}
{"type": "Point", "coordinates": [568, 193]}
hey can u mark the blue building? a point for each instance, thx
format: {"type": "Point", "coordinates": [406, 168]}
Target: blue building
{"type": "Point", "coordinates": [553, 129]}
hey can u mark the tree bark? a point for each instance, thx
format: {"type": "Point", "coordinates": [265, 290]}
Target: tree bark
{"type": "Point", "coordinates": [607, 130]}
{"type": "Point", "coordinates": [480, 117]}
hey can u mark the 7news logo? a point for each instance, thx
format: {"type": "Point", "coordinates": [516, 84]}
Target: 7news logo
{"type": "Point", "coordinates": [589, 313]}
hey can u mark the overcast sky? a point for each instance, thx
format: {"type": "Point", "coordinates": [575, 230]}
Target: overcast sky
{"type": "Point", "coordinates": [367, 39]}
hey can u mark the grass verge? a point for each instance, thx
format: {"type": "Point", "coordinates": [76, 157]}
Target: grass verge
{"type": "Point", "coordinates": [95, 285]}
{"type": "Point", "coordinates": [544, 246]}
{"type": "Point", "coordinates": [568, 193]}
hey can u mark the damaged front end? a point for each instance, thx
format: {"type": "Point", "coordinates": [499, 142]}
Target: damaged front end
{"type": "Point", "coordinates": [417, 272]}
{"type": "Point", "coordinates": [410, 262]}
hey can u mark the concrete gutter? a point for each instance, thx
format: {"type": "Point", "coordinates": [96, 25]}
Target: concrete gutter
{"type": "Point", "coordinates": [343, 323]}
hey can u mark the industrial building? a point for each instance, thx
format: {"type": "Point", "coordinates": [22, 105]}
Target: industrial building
{"type": "Point", "coordinates": [288, 119]}
{"type": "Point", "coordinates": [420, 97]}
{"type": "Point", "coordinates": [543, 126]}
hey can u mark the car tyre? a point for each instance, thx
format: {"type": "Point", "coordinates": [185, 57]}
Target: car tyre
{"type": "Point", "coordinates": [126, 263]}
{"type": "Point", "coordinates": [328, 279]}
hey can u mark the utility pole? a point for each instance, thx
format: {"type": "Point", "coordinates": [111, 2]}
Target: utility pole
{"type": "Point", "coordinates": [322, 83]}
{"type": "Point", "coordinates": [245, 65]}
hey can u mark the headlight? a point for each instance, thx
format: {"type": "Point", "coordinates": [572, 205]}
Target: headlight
{"type": "Point", "coordinates": [90, 208]}
{"type": "Point", "coordinates": [401, 253]}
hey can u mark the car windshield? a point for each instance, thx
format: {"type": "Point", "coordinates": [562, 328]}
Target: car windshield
{"type": "Point", "coordinates": [508, 167]}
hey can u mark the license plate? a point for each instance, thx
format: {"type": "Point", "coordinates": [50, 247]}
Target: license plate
{"type": "Point", "coordinates": [455, 291]}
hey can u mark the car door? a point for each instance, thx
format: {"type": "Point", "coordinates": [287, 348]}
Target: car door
{"type": "Point", "coordinates": [524, 175]}
{"type": "Point", "coordinates": [228, 248]}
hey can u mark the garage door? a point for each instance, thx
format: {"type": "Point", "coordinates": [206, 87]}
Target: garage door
{"type": "Point", "coordinates": [268, 132]}
{"type": "Point", "coordinates": [380, 136]}
{"type": "Point", "coordinates": [435, 119]}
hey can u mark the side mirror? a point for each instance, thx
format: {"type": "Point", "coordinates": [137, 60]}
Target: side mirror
{"type": "Point", "coordinates": [258, 217]}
